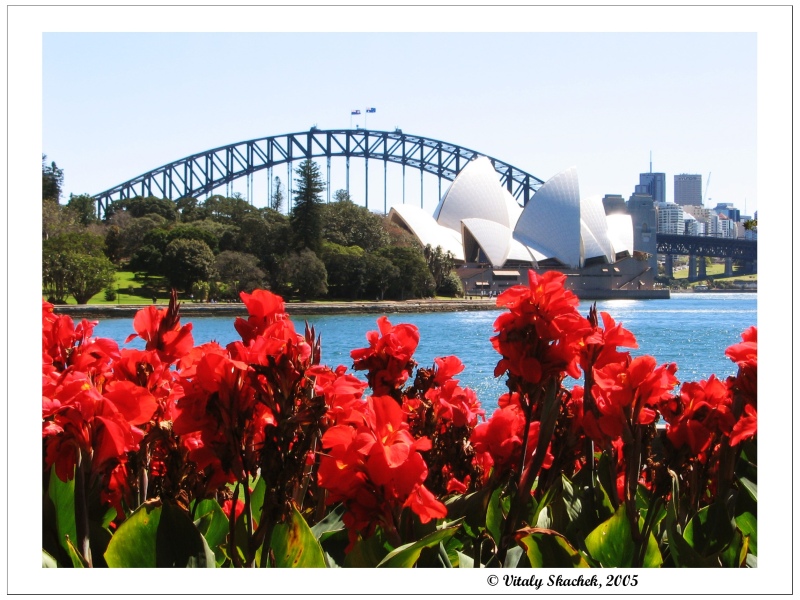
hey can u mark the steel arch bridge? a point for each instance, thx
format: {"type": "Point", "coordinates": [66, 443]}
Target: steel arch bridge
{"type": "Point", "coordinates": [203, 172]}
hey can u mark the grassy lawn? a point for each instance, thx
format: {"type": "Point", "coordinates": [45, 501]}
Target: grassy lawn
{"type": "Point", "coordinates": [132, 291]}
{"type": "Point", "coordinates": [715, 271]}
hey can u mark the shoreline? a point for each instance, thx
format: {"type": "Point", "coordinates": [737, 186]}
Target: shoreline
{"type": "Point", "coordinates": [196, 309]}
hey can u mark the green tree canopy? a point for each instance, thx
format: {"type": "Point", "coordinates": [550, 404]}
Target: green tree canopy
{"type": "Point", "coordinates": [187, 261]}
{"type": "Point", "coordinates": [305, 273]}
{"type": "Point", "coordinates": [52, 180]}
{"type": "Point", "coordinates": [414, 280]}
{"type": "Point", "coordinates": [348, 224]}
{"type": "Point", "coordinates": [239, 271]}
{"type": "Point", "coordinates": [141, 206]}
{"type": "Point", "coordinates": [84, 207]}
{"type": "Point", "coordinates": [75, 264]}
{"type": "Point", "coordinates": [440, 263]}
{"type": "Point", "coordinates": [276, 201]}
{"type": "Point", "coordinates": [306, 219]}
{"type": "Point", "coordinates": [380, 273]}
{"type": "Point", "coordinates": [346, 268]}
{"type": "Point", "coordinates": [227, 210]}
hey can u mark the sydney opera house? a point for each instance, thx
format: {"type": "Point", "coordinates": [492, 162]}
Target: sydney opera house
{"type": "Point", "coordinates": [495, 240]}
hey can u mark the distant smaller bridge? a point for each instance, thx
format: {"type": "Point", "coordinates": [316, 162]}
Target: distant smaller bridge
{"type": "Point", "coordinates": [699, 247]}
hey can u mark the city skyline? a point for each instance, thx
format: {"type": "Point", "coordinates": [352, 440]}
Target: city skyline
{"type": "Point", "coordinates": [581, 114]}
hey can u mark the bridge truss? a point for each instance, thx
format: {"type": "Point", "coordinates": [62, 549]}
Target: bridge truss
{"type": "Point", "coordinates": [200, 173]}
{"type": "Point", "coordinates": [694, 245]}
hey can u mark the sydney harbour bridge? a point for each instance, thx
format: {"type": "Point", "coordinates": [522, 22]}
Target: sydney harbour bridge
{"type": "Point", "coordinates": [202, 173]}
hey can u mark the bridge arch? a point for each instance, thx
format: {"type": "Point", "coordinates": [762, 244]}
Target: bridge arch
{"type": "Point", "coordinates": [200, 173]}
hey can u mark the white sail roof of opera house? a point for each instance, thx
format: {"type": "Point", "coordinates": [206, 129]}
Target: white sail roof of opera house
{"type": "Point", "coordinates": [552, 218]}
{"type": "Point", "coordinates": [620, 232]}
{"type": "Point", "coordinates": [426, 229]}
{"type": "Point", "coordinates": [480, 221]}
{"type": "Point", "coordinates": [477, 194]}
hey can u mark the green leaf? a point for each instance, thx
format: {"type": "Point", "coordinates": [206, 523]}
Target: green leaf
{"type": "Point", "coordinates": [331, 524]}
{"type": "Point", "coordinates": [473, 507]}
{"type": "Point", "coordinates": [158, 535]}
{"type": "Point", "coordinates": [681, 552]}
{"type": "Point", "coordinates": [367, 553]}
{"type": "Point", "coordinates": [256, 497]}
{"type": "Point", "coordinates": [748, 525]}
{"type": "Point", "coordinates": [464, 561]}
{"type": "Point", "coordinates": [62, 495]}
{"type": "Point", "coordinates": [549, 549]}
{"type": "Point", "coordinates": [751, 487]}
{"type": "Point", "coordinates": [735, 553]}
{"type": "Point", "coordinates": [213, 525]}
{"type": "Point", "coordinates": [77, 559]}
{"type": "Point", "coordinates": [408, 554]}
{"type": "Point", "coordinates": [496, 513]}
{"type": "Point", "coordinates": [48, 562]}
{"type": "Point", "coordinates": [294, 544]}
{"type": "Point", "coordinates": [611, 543]}
{"type": "Point", "coordinates": [710, 531]}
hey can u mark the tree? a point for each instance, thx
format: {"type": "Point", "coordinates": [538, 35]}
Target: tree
{"type": "Point", "coordinates": [380, 272]}
{"type": "Point", "coordinates": [239, 271]}
{"type": "Point", "coordinates": [348, 224]}
{"type": "Point", "coordinates": [187, 261]}
{"type": "Point", "coordinates": [346, 267]}
{"type": "Point", "coordinates": [84, 207]}
{"type": "Point", "coordinates": [141, 206]}
{"type": "Point", "coordinates": [306, 219]}
{"type": "Point", "coordinates": [306, 273]}
{"type": "Point", "coordinates": [193, 232]}
{"type": "Point", "coordinates": [440, 263]}
{"type": "Point", "coordinates": [452, 286]}
{"type": "Point", "coordinates": [342, 196]}
{"type": "Point", "coordinates": [414, 280]}
{"type": "Point", "coordinates": [227, 210]}
{"type": "Point", "coordinates": [75, 264]}
{"type": "Point", "coordinates": [276, 202]}
{"type": "Point", "coordinates": [89, 275]}
{"type": "Point", "coordinates": [190, 209]}
{"type": "Point", "coordinates": [52, 180]}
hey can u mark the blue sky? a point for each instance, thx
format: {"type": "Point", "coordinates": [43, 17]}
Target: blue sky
{"type": "Point", "coordinates": [115, 105]}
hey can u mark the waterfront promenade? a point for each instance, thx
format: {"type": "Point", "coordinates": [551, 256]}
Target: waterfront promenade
{"type": "Point", "coordinates": [237, 309]}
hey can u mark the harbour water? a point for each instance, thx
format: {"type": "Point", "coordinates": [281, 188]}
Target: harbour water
{"type": "Point", "coordinates": [691, 330]}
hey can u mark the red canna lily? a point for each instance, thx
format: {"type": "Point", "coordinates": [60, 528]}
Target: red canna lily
{"type": "Point", "coordinates": [387, 360]}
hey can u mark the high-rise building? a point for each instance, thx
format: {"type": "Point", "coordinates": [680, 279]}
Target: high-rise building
{"type": "Point", "coordinates": [656, 184]}
{"type": "Point", "coordinates": [671, 218]}
{"type": "Point", "coordinates": [688, 189]}
{"type": "Point", "coordinates": [644, 219]}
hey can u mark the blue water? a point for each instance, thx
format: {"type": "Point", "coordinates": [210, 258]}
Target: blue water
{"type": "Point", "coordinates": [691, 330]}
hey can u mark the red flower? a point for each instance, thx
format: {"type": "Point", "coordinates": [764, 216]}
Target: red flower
{"type": "Point", "coordinates": [388, 357]}
{"type": "Point", "coordinates": [599, 348]}
{"type": "Point", "coordinates": [454, 404]}
{"type": "Point", "coordinates": [539, 337]}
{"type": "Point", "coordinates": [374, 465]}
{"type": "Point", "coordinates": [745, 355]}
{"type": "Point", "coordinates": [228, 504]}
{"type": "Point", "coordinates": [700, 416]}
{"type": "Point", "coordinates": [629, 393]}
{"type": "Point", "coordinates": [162, 331]}
{"type": "Point", "coordinates": [498, 441]}
{"type": "Point", "coordinates": [264, 308]}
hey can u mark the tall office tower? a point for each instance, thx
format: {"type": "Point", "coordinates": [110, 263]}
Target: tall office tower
{"type": "Point", "coordinates": [688, 190]}
{"type": "Point", "coordinates": [644, 219]}
{"type": "Point", "coordinates": [656, 184]}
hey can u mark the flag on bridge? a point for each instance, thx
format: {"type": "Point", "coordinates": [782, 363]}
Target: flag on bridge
{"type": "Point", "coordinates": [355, 112]}
{"type": "Point", "coordinates": [370, 110]}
